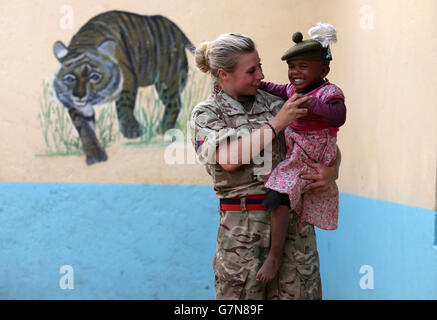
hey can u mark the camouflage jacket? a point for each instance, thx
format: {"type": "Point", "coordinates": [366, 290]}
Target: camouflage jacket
{"type": "Point", "coordinates": [221, 118]}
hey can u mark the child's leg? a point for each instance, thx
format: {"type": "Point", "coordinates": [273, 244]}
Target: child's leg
{"type": "Point", "coordinates": [279, 225]}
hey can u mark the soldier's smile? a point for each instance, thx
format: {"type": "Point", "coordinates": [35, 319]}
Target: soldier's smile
{"type": "Point", "coordinates": [246, 78]}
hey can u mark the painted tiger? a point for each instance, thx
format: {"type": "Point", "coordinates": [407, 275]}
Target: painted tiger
{"type": "Point", "coordinates": [108, 59]}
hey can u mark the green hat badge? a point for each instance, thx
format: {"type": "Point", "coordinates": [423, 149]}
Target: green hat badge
{"type": "Point", "coordinates": [317, 48]}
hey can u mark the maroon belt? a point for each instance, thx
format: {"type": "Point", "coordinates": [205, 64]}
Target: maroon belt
{"type": "Point", "coordinates": [253, 202]}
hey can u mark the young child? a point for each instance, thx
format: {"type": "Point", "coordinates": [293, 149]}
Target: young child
{"type": "Point", "coordinates": [309, 139]}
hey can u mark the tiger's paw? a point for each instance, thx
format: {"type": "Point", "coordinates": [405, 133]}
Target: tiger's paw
{"type": "Point", "coordinates": [130, 129]}
{"type": "Point", "coordinates": [95, 157]}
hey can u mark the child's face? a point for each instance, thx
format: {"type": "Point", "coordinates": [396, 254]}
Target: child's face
{"type": "Point", "coordinates": [304, 74]}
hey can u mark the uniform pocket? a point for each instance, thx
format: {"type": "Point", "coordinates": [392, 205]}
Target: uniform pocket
{"type": "Point", "coordinates": [229, 277]}
{"type": "Point", "coordinates": [233, 229]}
{"type": "Point", "coordinates": [300, 246]}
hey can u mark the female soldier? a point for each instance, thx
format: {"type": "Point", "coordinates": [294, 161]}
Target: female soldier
{"type": "Point", "coordinates": [231, 130]}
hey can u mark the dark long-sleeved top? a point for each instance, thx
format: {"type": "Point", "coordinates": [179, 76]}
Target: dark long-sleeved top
{"type": "Point", "coordinates": [332, 109]}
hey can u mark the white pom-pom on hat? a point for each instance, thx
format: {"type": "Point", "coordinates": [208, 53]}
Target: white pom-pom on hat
{"type": "Point", "coordinates": [324, 33]}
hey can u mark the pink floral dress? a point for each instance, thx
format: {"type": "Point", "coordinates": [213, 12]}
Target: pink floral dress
{"type": "Point", "coordinates": [320, 208]}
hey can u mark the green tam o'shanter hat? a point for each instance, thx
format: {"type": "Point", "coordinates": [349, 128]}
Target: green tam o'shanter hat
{"type": "Point", "coordinates": [315, 49]}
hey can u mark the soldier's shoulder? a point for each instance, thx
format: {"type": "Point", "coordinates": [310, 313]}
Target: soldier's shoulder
{"type": "Point", "coordinates": [207, 105]}
{"type": "Point", "coordinates": [205, 111]}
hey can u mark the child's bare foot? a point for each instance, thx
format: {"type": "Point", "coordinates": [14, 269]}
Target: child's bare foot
{"type": "Point", "coordinates": [268, 269]}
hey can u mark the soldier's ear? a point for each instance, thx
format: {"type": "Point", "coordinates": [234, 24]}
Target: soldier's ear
{"type": "Point", "coordinates": [222, 74]}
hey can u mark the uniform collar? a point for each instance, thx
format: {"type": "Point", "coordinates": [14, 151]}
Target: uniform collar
{"type": "Point", "coordinates": [232, 107]}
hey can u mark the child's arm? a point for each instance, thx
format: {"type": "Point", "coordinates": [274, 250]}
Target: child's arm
{"type": "Point", "coordinates": [333, 111]}
{"type": "Point", "coordinates": [279, 90]}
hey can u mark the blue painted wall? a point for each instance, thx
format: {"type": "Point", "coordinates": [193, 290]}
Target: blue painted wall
{"type": "Point", "coordinates": [123, 241]}
{"type": "Point", "coordinates": [396, 241]}
{"type": "Point", "coordinates": [157, 242]}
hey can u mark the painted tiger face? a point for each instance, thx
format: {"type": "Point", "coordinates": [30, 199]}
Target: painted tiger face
{"type": "Point", "coordinates": [86, 78]}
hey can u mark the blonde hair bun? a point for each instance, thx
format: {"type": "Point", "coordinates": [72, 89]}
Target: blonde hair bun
{"type": "Point", "coordinates": [222, 53]}
{"type": "Point", "coordinates": [201, 57]}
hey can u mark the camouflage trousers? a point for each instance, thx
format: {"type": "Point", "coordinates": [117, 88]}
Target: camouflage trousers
{"type": "Point", "coordinates": [243, 242]}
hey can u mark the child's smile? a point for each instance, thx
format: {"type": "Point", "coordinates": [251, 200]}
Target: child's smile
{"type": "Point", "coordinates": [306, 74]}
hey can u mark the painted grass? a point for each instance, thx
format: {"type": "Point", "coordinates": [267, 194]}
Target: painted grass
{"type": "Point", "coordinates": [61, 138]}
{"type": "Point", "coordinates": [56, 126]}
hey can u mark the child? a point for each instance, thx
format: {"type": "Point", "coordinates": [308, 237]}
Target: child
{"type": "Point", "coordinates": [309, 139]}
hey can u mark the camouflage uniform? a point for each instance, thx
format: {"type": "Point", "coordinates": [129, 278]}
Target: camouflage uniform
{"type": "Point", "coordinates": [243, 238]}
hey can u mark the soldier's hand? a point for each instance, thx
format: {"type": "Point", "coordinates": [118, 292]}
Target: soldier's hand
{"type": "Point", "coordinates": [305, 103]}
{"type": "Point", "coordinates": [322, 179]}
{"type": "Point", "coordinates": [293, 108]}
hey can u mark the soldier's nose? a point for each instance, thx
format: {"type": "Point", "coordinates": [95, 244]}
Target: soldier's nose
{"type": "Point", "coordinates": [260, 76]}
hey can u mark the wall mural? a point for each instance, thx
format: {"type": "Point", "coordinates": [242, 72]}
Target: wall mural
{"type": "Point", "coordinates": [111, 58]}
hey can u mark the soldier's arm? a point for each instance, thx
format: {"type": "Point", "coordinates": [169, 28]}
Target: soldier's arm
{"type": "Point", "coordinates": [232, 155]}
